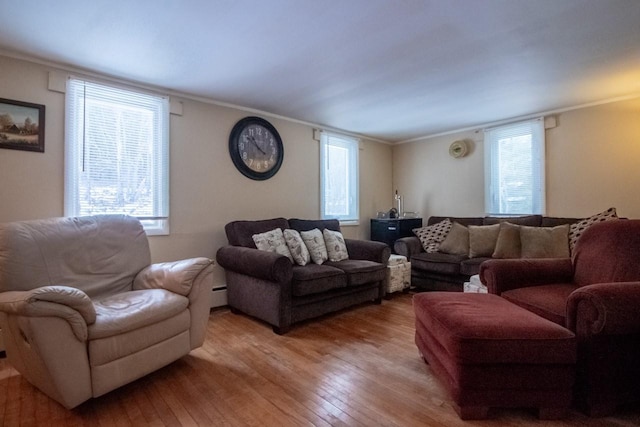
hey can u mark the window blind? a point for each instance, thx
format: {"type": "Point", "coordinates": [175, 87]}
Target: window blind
{"type": "Point", "coordinates": [117, 152]}
{"type": "Point", "coordinates": [339, 177]}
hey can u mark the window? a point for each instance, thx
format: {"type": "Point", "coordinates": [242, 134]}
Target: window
{"type": "Point", "coordinates": [339, 177]}
{"type": "Point", "coordinates": [117, 153]}
{"type": "Point", "coordinates": [514, 168]}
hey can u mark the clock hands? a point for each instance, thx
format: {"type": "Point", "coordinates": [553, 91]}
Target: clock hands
{"type": "Point", "coordinates": [252, 139]}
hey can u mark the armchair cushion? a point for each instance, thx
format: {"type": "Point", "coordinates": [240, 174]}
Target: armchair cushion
{"type": "Point", "coordinates": [548, 301]}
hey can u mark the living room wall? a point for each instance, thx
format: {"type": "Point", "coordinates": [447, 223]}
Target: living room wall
{"type": "Point", "coordinates": [206, 189]}
{"type": "Point", "coordinates": [592, 157]}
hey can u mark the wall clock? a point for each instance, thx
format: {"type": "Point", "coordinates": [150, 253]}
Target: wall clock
{"type": "Point", "coordinates": [256, 148]}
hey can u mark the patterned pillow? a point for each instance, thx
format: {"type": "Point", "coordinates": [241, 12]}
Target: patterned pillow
{"type": "Point", "coordinates": [272, 241]}
{"type": "Point", "coordinates": [314, 241]}
{"type": "Point", "coordinates": [576, 229]}
{"type": "Point", "coordinates": [296, 245]}
{"type": "Point", "coordinates": [336, 248]}
{"type": "Point", "coordinates": [432, 235]}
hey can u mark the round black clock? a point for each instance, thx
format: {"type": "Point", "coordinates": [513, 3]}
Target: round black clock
{"type": "Point", "coordinates": [256, 148]}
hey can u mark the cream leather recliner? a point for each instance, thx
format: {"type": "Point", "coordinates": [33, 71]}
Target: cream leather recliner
{"type": "Point", "coordinates": [83, 311]}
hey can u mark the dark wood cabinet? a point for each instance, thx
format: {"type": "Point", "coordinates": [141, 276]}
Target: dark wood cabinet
{"type": "Point", "coordinates": [390, 230]}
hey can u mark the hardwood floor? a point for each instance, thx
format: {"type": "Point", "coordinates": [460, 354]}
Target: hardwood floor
{"type": "Point", "coordinates": [358, 367]}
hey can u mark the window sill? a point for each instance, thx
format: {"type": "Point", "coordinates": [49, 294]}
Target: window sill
{"type": "Point", "coordinates": [349, 223]}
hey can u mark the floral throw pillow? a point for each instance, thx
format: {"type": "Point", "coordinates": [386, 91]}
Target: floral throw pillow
{"type": "Point", "coordinates": [272, 241]}
{"type": "Point", "coordinates": [314, 240]}
{"type": "Point", "coordinates": [296, 245]}
{"type": "Point", "coordinates": [336, 247]}
{"type": "Point", "coordinates": [432, 235]}
{"type": "Point", "coordinates": [576, 229]}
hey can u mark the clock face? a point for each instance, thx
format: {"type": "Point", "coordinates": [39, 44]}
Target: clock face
{"type": "Point", "coordinates": [256, 148]}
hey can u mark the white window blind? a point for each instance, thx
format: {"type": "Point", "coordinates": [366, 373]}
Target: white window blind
{"type": "Point", "coordinates": [339, 177]}
{"type": "Point", "coordinates": [117, 153]}
{"type": "Point", "coordinates": [514, 167]}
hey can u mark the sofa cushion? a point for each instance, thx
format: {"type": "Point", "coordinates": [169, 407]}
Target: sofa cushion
{"type": "Point", "coordinates": [310, 224]}
{"type": "Point", "coordinates": [471, 266]}
{"type": "Point", "coordinates": [313, 279]}
{"type": "Point", "coordinates": [239, 233]}
{"type": "Point", "coordinates": [482, 240]}
{"type": "Point", "coordinates": [508, 243]}
{"type": "Point", "coordinates": [544, 242]}
{"type": "Point", "coordinates": [437, 262]}
{"type": "Point", "coordinates": [360, 271]}
{"type": "Point", "coordinates": [336, 247]}
{"type": "Point", "coordinates": [296, 245]}
{"type": "Point", "coordinates": [314, 240]}
{"type": "Point", "coordinates": [432, 235]}
{"type": "Point", "coordinates": [466, 221]}
{"type": "Point", "coordinates": [548, 301]}
{"type": "Point", "coordinates": [577, 228]}
{"type": "Point", "coordinates": [457, 241]}
{"type": "Point", "coordinates": [272, 241]}
{"type": "Point", "coordinates": [530, 220]}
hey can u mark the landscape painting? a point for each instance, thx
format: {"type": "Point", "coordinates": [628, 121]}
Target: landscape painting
{"type": "Point", "coordinates": [21, 125]}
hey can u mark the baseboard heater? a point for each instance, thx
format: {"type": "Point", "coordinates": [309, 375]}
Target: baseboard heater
{"type": "Point", "coordinates": [219, 296]}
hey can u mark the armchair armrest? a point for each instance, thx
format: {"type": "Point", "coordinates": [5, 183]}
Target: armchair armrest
{"type": "Point", "coordinates": [408, 246]}
{"type": "Point", "coordinates": [604, 309]}
{"type": "Point", "coordinates": [68, 303]}
{"type": "Point", "coordinates": [500, 275]}
{"type": "Point", "coordinates": [177, 276]}
{"type": "Point", "coordinates": [368, 250]}
{"type": "Point", "coordinates": [253, 262]}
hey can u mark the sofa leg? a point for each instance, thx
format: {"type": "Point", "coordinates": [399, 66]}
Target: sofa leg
{"type": "Point", "coordinates": [281, 330]}
{"type": "Point", "coordinates": [377, 301]}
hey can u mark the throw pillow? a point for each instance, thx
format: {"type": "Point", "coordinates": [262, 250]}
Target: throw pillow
{"type": "Point", "coordinates": [545, 242]}
{"type": "Point", "coordinates": [296, 246]}
{"type": "Point", "coordinates": [314, 240]}
{"type": "Point", "coordinates": [457, 241]}
{"type": "Point", "coordinates": [482, 240]}
{"type": "Point", "coordinates": [272, 241]}
{"type": "Point", "coordinates": [576, 229]}
{"type": "Point", "coordinates": [432, 235]}
{"type": "Point", "coordinates": [336, 247]}
{"type": "Point", "coordinates": [508, 243]}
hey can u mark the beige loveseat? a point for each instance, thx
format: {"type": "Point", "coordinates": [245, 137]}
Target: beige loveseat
{"type": "Point", "coordinates": [83, 311]}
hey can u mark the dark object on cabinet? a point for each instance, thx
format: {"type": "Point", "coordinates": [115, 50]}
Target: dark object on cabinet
{"type": "Point", "coordinates": [390, 230]}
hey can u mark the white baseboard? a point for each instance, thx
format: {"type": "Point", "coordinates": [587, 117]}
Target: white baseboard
{"type": "Point", "coordinates": [219, 297]}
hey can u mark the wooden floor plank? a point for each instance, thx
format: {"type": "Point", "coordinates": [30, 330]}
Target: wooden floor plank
{"type": "Point", "coordinates": [358, 367]}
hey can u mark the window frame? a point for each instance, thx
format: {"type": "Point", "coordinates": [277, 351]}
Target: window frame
{"type": "Point", "coordinates": [75, 138]}
{"type": "Point", "coordinates": [492, 137]}
{"type": "Point", "coordinates": [352, 145]}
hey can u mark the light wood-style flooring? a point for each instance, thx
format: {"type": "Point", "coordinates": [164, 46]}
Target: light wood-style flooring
{"type": "Point", "coordinates": [358, 367]}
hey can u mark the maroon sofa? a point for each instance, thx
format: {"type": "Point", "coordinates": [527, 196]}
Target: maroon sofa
{"type": "Point", "coordinates": [267, 286]}
{"type": "Point", "coordinates": [596, 295]}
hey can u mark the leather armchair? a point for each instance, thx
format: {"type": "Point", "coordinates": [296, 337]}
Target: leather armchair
{"type": "Point", "coordinates": [83, 311]}
{"type": "Point", "coordinates": [596, 295]}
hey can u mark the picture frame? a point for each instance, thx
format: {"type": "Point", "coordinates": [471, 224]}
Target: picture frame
{"type": "Point", "coordinates": [21, 125]}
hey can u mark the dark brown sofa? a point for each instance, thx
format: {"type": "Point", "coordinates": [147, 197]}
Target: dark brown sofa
{"type": "Point", "coordinates": [447, 272]}
{"type": "Point", "coordinates": [269, 287]}
{"type": "Point", "coordinates": [596, 295]}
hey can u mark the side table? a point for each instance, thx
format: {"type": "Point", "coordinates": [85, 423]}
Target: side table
{"type": "Point", "coordinates": [391, 229]}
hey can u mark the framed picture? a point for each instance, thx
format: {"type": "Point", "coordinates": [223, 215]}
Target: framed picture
{"type": "Point", "coordinates": [21, 125]}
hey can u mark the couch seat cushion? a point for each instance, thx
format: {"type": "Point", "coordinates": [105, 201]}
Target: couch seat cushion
{"type": "Point", "coordinates": [437, 262]}
{"type": "Point", "coordinates": [314, 278]}
{"type": "Point", "coordinates": [471, 266]}
{"type": "Point", "coordinates": [548, 301]}
{"type": "Point", "coordinates": [360, 271]}
{"type": "Point", "coordinates": [127, 311]}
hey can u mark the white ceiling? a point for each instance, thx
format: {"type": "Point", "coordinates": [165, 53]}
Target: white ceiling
{"type": "Point", "coordinates": [389, 69]}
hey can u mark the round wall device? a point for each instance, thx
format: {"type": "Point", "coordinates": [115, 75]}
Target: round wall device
{"type": "Point", "coordinates": [458, 149]}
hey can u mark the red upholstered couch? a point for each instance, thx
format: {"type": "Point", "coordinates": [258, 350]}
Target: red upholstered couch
{"type": "Point", "coordinates": [596, 294]}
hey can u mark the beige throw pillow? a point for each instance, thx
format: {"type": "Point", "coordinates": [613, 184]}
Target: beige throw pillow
{"type": "Point", "coordinates": [545, 242]}
{"type": "Point", "coordinates": [482, 240]}
{"type": "Point", "coordinates": [508, 243]}
{"type": "Point", "coordinates": [272, 241]}
{"type": "Point", "coordinates": [314, 240]}
{"type": "Point", "coordinates": [336, 247]}
{"type": "Point", "coordinates": [457, 241]}
{"type": "Point", "coordinates": [576, 229]}
{"type": "Point", "coordinates": [432, 235]}
{"type": "Point", "coordinates": [296, 246]}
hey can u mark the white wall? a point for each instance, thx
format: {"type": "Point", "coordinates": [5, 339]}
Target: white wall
{"type": "Point", "coordinates": [206, 189]}
{"type": "Point", "coordinates": [592, 163]}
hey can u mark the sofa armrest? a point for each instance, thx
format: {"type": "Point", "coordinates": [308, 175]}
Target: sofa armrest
{"type": "Point", "coordinates": [368, 250]}
{"type": "Point", "coordinates": [65, 302]}
{"type": "Point", "coordinates": [500, 275]}
{"type": "Point", "coordinates": [408, 246]}
{"type": "Point", "coordinates": [604, 309]}
{"type": "Point", "coordinates": [177, 276]}
{"type": "Point", "coordinates": [253, 262]}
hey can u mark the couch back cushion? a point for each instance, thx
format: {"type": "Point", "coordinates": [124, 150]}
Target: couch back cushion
{"type": "Point", "coordinates": [551, 221]}
{"type": "Point", "coordinates": [310, 224]}
{"type": "Point", "coordinates": [98, 254]}
{"type": "Point", "coordinates": [460, 220]}
{"type": "Point", "coordinates": [608, 252]}
{"type": "Point", "coordinates": [528, 220]}
{"type": "Point", "coordinates": [240, 233]}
